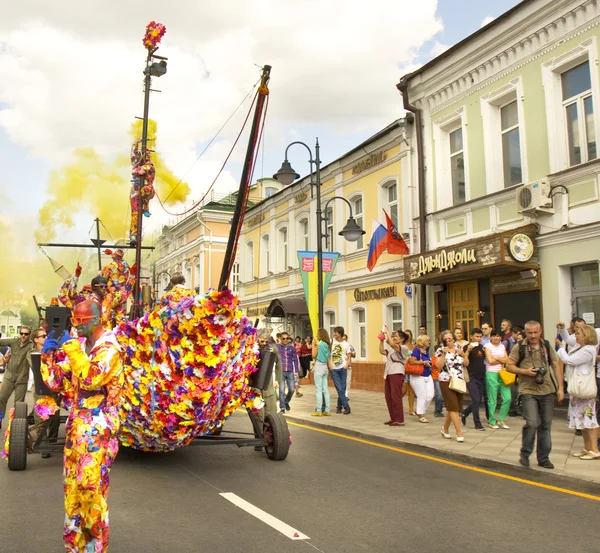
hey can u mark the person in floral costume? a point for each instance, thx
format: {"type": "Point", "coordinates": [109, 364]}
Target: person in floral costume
{"type": "Point", "coordinates": [176, 291]}
{"type": "Point", "coordinates": [88, 375]}
{"type": "Point", "coordinates": [120, 278]}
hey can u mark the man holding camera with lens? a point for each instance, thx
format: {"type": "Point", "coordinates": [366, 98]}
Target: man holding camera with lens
{"type": "Point", "coordinates": [540, 379]}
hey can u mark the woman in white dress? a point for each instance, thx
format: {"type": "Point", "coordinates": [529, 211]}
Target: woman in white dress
{"type": "Point", "coordinates": [582, 412]}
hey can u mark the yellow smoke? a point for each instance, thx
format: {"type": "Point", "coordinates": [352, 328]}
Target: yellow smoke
{"type": "Point", "coordinates": [93, 185]}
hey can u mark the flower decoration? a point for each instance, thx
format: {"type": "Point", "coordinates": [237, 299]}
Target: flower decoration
{"type": "Point", "coordinates": [11, 416]}
{"type": "Point", "coordinates": [187, 370]}
{"type": "Point", "coordinates": [154, 32]}
{"type": "Point", "coordinates": [45, 407]}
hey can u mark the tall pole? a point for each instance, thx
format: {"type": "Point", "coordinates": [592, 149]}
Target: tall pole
{"type": "Point", "coordinates": [319, 236]}
{"type": "Point", "coordinates": [138, 306]}
{"type": "Point", "coordinates": [98, 239]}
{"type": "Point", "coordinates": [238, 214]}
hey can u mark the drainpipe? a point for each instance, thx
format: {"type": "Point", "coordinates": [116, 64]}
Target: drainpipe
{"type": "Point", "coordinates": [402, 86]}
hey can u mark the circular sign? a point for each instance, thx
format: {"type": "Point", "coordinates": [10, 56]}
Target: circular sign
{"type": "Point", "coordinates": [408, 290]}
{"type": "Point", "coordinates": [521, 247]}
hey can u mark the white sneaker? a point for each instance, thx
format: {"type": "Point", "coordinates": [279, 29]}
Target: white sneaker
{"type": "Point", "coordinates": [504, 426]}
{"type": "Point", "coordinates": [494, 426]}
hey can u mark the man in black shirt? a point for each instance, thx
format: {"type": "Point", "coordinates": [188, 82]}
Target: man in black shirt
{"type": "Point", "coordinates": [476, 384]}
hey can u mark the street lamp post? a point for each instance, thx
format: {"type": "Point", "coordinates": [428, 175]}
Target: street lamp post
{"type": "Point", "coordinates": [351, 231]}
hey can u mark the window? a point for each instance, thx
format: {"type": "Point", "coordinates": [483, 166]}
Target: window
{"type": "Point", "coordinates": [266, 255]}
{"type": "Point", "coordinates": [330, 230]}
{"type": "Point", "coordinates": [357, 211]}
{"type": "Point", "coordinates": [457, 166]}
{"type": "Point", "coordinates": [394, 316]}
{"type": "Point", "coordinates": [361, 323]}
{"type": "Point", "coordinates": [283, 249]}
{"type": "Point", "coordinates": [235, 277]}
{"type": "Point", "coordinates": [197, 283]}
{"type": "Point", "coordinates": [585, 292]}
{"type": "Point", "coordinates": [250, 264]}
{"type": "Point", "coordinates": [304, 242]}
{"type": "Point", "coordinates": [330, 322]}
{"type": "Point", "coordinates": [578, 108]}
{"type": "Point", "coordinates": [269, 191]}
{"type": "Point", "coordinates": [391, 201]}
{"type": "Point", "coordinates": [187, 273]}
{"type": "Point", "coordinates": [511, 144]}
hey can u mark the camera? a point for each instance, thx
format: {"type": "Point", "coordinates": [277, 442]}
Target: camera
{"type": "Point", "coordinates": [539, 377]}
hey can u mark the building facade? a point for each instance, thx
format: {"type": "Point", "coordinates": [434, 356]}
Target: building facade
{"type": "Point", "coordinates": [510, 170]}
{"type": "Point", "coordinates": [373, 177]}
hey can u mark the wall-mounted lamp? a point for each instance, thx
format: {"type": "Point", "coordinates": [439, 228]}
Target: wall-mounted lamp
{"type": "Point", "coordinates": [443, 313]}
{"type": "Point", "coordinates": [482, 310]}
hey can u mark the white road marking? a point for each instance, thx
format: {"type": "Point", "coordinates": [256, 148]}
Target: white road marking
{"type": "Point", "coordinates": [273, 522]}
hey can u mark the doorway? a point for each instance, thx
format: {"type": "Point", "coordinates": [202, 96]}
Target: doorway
{"type": "Point", "coordinates": [464, 298]}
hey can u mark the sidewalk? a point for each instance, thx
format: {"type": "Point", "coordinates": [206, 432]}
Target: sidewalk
{"type": "Point", "coordinates": [369, 412]}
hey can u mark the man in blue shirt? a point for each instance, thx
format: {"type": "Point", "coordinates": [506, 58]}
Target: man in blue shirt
{"type": "Point", "coordinates": [290, 366]}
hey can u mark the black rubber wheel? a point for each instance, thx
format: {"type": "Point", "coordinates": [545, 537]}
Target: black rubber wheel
{"type": "Point", "coordinates": [277, 437]}
{"type": "Point", "coordinates": [216, 431]}
{"type": "Point", "coordinates": [17, 452]}
{"type": "Point", "coordinates": [21, 410]}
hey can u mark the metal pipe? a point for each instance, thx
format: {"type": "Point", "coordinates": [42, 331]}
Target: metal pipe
{"type": "Point", "coordinates": [123, 247]}
{"type": "Point", "coordinates": [402, 86]}
{"type": "Point", "coordinates": [319, 236]}
{"type": "Point", "coordinates": [98, 239]}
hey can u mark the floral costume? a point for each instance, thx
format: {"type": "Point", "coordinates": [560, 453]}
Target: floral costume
{"type": "Point", "coordinates": [90, 386]}
{"type": "Point", "coordinates": [112, 302]}
{"type": "Point", "coordinates": [120, 285]}
{"type": "Point", "coordinates": [175, 295]}
{"type": "Point", "coordinates": [68, 294]}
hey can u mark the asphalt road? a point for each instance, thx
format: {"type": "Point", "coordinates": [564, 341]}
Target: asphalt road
{"type": "Point", "coordinates": [345, 496]}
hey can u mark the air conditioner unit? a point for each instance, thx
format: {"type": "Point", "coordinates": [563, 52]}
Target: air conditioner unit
{"type": "Point", "coordinates": [535, 198]}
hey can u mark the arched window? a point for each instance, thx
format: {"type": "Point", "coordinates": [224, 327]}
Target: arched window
{"type": "Point", "coordinates": [269, 191]}
{"type": "Point", "coordinates": [303, 237]}
{"type": "Point", "coordinates": [265, 251]}
{"type": "Point", "coordinates": [250, 260]}
{"type": "Point", "coordinates": [394, 315]}
{"type": "Point", "coordinates": [282, 248]}
{"type": "Point", "coordinates": [358, 214]}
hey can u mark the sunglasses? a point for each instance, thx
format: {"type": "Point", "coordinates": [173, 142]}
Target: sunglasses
{"type": "Point", "coordinates": [100, 285]}
{"type": "Point", "coordinates": [78, 321]}
{"type": "Point", "coordinates": [25, 333]}
{"type": "Point", "coordinates": [41, 336]}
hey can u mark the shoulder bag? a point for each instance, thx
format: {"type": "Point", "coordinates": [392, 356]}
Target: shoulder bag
{"type": "Point", "coordinates": [458, 385]}
{"type": "Point", "coordinates": [413, 369]}
{"type": "Point", "coordinates": [507, 378]}
{"type": "Point", "coordinates": [582, 386]}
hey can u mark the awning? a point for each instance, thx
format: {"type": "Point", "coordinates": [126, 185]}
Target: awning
{"type": "Point", "coordinates": [287, 306]}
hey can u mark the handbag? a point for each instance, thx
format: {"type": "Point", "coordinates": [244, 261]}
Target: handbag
{"type": "Point", "coordinates": [582, 386]}
{"type": "Point", "coordinates": [507, 378]}
{"type": "Point", "coordinates": [414, 370]}
{"type": "Point", "coordinates": [458, 385]}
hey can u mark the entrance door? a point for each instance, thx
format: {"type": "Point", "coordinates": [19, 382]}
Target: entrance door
{"type": "Point", "coordinates": [463, 300]}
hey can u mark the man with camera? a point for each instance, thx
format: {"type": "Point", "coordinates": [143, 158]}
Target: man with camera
{"type": "Point", "coordinates": [540, 379]}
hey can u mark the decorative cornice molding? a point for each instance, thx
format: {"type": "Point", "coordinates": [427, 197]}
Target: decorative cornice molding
{"type": "Point", "coordinates": [569, 236]}
{"type": "Point", "coordinates": [579, 20]}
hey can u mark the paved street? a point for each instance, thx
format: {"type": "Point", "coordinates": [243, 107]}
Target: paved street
{"type": "Point", "coordinates": [344, 495]}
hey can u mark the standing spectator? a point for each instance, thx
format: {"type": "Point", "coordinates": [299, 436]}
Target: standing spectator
{"type": "Point", "coordinates": [298, 346]}
{"type": "Point", "coordinates": [450, 361]}
{"type": "Point", "coordinates": [407, 388]}
{"type": "Point", "coordinates": [438, 398]}
{"type": "Point", "coordinates": [459, 339]}
{"type": "Point", "coordinates": [393, 374]}
{"type": "Point", "coordinates": [535, 362]}
{"type": "Point", "coordinates": [278, 338]}
{"type": "Point", "coordinates": [305, 356]}
{"type": "Point", "coordinates": [52, 425]}
{"type": "Point", "coordinates": [341, 360]}
{"type": "Point", "coordinates": [17, 369]}
{"type": "Point", "coordinates": [349, 372]}
{"type": "Point", "coordinates": [485, 329]}
{"type": "Point", "coordinates": [495, 353]}
{"type": "Point", "coordinates": [423, 384]}
{"type": "Point", "coordinates": [506, 332]}
{"type": "Point", "coordinates": [509, 341]}
{"type": "Point", "coordinates": [518, 335]}
{"type": "Point", "coordinates": [321, 351]}
{"type": "Point", "coordinates": [422, 330]}
{"type": "Point", "coordinates": [476, 384]}
{"type": "Point", "coordinates": [582, 412]}
{"type": "Point", "coordinates": [290, 366]}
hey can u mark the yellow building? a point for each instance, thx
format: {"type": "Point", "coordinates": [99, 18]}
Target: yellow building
{"type": "Point", "coordinates": [373, 177]}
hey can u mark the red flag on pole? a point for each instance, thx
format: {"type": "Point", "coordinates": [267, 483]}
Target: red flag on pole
{"type": "Point", "coordinates": [395, 242]}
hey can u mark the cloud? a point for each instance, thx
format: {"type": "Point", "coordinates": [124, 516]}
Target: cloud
{"type": "Point", "coordinates": [487, 20]}
{"type": "Point", "coordinates": [438, 48]}
{"type": "Point", "coordinates": [71, 75]}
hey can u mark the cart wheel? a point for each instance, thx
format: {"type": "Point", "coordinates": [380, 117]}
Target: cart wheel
{"type": "Point", "coordinates": [277, 438]}
{"type": "Point", "coordinates": [21, 410]}
{"type": "Point", "coordinates": [17, 452]}
{"type": "Point", "coordinates": [216, 431]}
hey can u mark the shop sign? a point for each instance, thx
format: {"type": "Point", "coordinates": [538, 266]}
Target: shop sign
{"type": "Point", "coordinates": [256, 311]}
{"type": "Point", "coordinates": [256, 219]}
{"type": "Point", "coordinates": [375, 294]}
{"type": "Point", "coordinates": [515, 282]}
{"type": "Point", "coordinates": [589, 318]}
{"type": "Point", "coordinates": [371, 161]}
{"type": "Point", "coordinates": [445, 260]}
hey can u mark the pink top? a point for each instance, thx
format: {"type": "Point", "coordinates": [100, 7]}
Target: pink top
{"type": "Point", "coordinates": [495, 351]}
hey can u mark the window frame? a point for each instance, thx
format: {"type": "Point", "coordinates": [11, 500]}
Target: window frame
{"type": "Point", "coordinates": [330, 313]}
{"type": "Point", "coordinates": [303, 239]}
{"type": "Point", "coordinates": [235, 277]}
{"type": "Point", "coordinates": [555, 112]}
{"type": "Point", "coordinates": [283, 249]}
{"type": "Point", "coordinates": [250, 252]}
{"type": "Point", "coordinates": [359, 329]}
{"type": "Point", "coordinates": [265, 255]}
{"type": "Point", "coordinates": [330, 226]}
{"type": "Point", "coordinates": [354, 246]}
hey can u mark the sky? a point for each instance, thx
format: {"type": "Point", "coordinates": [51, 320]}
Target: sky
{"type": "Point", "coordinates": [71, 88]}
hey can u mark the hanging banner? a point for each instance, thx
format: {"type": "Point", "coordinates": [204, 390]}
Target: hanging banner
{"type": "Point", "coordinates": [307, 261]}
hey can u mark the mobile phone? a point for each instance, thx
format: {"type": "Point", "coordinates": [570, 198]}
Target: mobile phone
{"type": "Point", "coordinates": [384, 328]}
{"type": "Point", "coordinates": [474, 344]}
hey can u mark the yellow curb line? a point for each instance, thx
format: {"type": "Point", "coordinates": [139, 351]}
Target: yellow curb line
{"type": "Point", "coordinates": [450, 463]}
